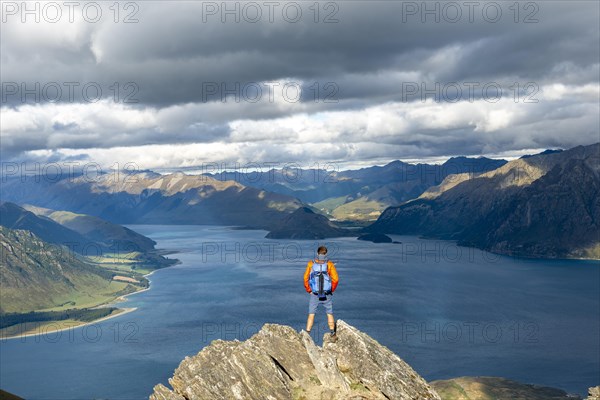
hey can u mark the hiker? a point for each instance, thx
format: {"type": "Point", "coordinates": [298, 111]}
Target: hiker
{"type": "Point", "coordinates": [320, 281]}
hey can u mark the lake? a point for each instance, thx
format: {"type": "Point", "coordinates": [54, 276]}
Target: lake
{"type": "Point", "coordinates": [446, 310]}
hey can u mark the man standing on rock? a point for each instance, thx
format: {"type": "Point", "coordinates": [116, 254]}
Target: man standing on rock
{"type": "Point", "coordinates": [320, 281]}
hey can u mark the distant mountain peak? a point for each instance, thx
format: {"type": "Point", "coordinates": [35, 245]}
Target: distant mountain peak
{"type": "Point", "coordinates": [303, 210]}
{"type": "Point", "coordinates": [395, 163]}
{"type": "Point", "coordinates": [545, 152]}
{"type": "Point", "coordinates": [479, 160]}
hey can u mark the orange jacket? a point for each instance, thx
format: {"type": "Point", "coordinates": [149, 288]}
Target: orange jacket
{"type": "Point", "coordinates": [331, 271]}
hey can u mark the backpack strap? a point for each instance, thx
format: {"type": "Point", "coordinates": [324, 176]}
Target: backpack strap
{"type": "Point", "coordinates": [321, 265]}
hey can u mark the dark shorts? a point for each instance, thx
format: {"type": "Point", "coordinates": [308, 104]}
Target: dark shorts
{"type": "Point", "coordinates": [314, 303]}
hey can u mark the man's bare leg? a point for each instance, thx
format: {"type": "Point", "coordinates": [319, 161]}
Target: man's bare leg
{"type": "Point", "coordinates": [330, 322]}
{"type": "Point", "coordinates": [309, 322]}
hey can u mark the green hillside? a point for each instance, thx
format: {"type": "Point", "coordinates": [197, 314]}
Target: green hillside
{"type": "Point", "coordinates": [111, 235]}
{"type": "Point", "coordinates": [37, 276]}
{"type": "Point", "coordinates": [105, 243]}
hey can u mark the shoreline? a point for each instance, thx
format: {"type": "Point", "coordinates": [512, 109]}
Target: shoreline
{"type": "Point", "coordinates": [21, 336]}
{"type": "Point", "coordinates": [518, 257]}
{"type": "Point", "coordinates": [113, 302]}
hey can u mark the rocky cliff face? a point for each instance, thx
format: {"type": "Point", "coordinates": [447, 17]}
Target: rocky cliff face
{"type": "Point", "coordinates": [279, 363]}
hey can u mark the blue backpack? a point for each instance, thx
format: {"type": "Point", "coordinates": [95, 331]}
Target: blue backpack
{"type": "Point", "coordinates": [319, 280]}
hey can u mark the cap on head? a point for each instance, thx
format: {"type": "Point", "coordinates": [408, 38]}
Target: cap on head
{"type": "Point", "coordinates": [322, 250]}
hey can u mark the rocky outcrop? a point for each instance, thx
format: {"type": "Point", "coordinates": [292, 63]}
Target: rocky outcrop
{"type": "Point", "coordinates": [279, 363]}
{"type": "Point", "coordinates": [488, 388]}
{"type": "Point", "coordinates": [594, 393]}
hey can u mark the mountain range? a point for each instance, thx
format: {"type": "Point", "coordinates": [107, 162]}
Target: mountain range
{"type": "Point", "coordinates": [545, 205]}
{"type": "Point", "coordinates": [540, 205]}
{"type": "Point", "coordinates": [147, 197]}
{"type": "Point", "coordinates": [361, 194]}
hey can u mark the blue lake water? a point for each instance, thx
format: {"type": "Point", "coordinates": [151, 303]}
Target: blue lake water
{"type": "Point", "coordinates": [448, 311]}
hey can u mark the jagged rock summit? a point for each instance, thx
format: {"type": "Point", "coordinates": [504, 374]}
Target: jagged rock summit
{"type": "Point", "coordinates": [594, 393]}
{"type": "Point", "coordinates": [279, 363]}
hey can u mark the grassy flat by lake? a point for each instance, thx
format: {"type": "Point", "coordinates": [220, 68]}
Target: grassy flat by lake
{"type": "Point", "coordinates": [46, 327]}
{"type": "Point", "coordinates": [131, 278]}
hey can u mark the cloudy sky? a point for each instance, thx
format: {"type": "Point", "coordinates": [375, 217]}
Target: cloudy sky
{"type": "Point", "coordinates": [176, 84]}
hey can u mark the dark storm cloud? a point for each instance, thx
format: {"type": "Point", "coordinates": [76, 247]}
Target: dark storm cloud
{"type": "Point", "coordinates": [171, 53]}
{"type": "Point", "coordinates": [167, 65]}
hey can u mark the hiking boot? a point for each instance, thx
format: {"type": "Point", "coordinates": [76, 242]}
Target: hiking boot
{"type": "Point", "coordinates": [333, 337]}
